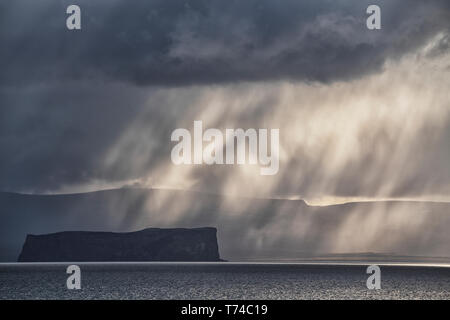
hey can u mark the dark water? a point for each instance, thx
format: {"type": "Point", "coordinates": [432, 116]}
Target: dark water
{"type": "Point", "coordinates": [222, 281]}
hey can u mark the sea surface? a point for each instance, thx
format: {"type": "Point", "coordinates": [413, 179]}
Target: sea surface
{"type": "Point", "coordinates": [223, 281]}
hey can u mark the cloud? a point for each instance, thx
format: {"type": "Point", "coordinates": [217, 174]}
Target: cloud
{"type": "Point", "coordinates": [363, 113]}
{"type": "Point", "coordinates": [181, 43]}
{"type": "Point", "coordinates": [384, 135]}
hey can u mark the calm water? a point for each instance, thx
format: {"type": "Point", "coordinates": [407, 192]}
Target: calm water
{"type": "Point", "coordinates": [222, 281]}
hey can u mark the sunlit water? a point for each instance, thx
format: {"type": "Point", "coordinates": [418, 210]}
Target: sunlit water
{"type": "Point", "coordinates": [222, 281]}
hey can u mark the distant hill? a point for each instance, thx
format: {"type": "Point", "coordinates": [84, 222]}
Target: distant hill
{"type": "Point", "coordinates": [247, 228]}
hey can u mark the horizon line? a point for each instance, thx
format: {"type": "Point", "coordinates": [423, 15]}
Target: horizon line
{"type": "Point", "coordinates": [320, 201]}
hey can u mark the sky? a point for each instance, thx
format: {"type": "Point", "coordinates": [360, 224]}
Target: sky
{"type": "Point", "coordinates": [363, 114]}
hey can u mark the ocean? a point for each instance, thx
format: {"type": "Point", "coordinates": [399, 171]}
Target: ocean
{"type": "Point", "coordinates": [223, 281]}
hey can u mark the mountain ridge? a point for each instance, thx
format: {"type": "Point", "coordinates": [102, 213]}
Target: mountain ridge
{"type": "Point", "coordinates": [247, 228]}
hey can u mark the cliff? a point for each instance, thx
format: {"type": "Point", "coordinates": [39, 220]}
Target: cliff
{"type": "Point", "coordinates": [198, 244]}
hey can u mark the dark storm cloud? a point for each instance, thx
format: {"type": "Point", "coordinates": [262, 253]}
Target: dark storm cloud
{"type": "Point", "coordinates": [52, 136]}
{"type": "Point", "coordinates": [178, 42]}
{"type": "Point", "coordinates": [65, 120]}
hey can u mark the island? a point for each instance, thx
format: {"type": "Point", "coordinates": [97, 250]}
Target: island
{"type": "Point", "coordinates": [152, 244]}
